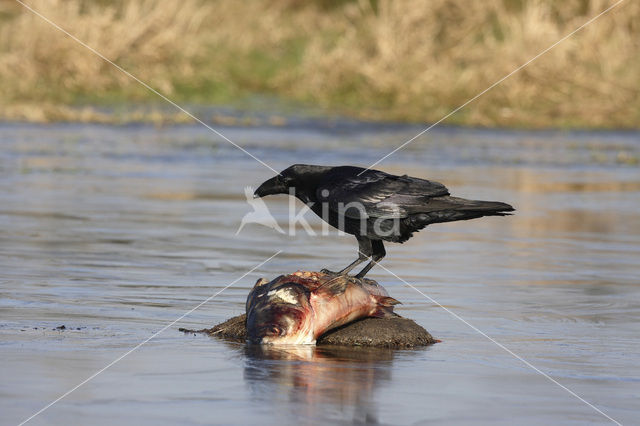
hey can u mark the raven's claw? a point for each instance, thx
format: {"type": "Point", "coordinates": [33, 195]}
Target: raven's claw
{"type": "Point", "coordinates": [328, 272]}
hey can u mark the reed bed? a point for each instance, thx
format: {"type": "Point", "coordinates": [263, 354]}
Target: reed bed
{"type": "Point", "coordinates": [412, 60]}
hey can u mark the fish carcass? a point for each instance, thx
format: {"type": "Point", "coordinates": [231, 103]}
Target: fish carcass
{"type": "Point", "coordinates": [300, 307]}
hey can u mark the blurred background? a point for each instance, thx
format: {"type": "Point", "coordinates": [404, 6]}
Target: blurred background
{"type": "Point", "coordinates": [373, 59]}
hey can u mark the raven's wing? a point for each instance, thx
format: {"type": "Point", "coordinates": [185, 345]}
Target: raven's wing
{"type": "Point", "coordinates": [376, 194]}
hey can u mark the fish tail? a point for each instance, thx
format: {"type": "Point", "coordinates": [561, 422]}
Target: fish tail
{"type": "Point", "coordinates": [384, 307]}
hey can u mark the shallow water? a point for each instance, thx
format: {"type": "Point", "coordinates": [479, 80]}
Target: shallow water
{"type": "Point", "coordinates": [116, 232]}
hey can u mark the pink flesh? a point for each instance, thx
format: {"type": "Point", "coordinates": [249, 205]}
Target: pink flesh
{"type": "Point", "coordinates": [332, 311]}
{"type": "Point", "coordinates": [329, 310]}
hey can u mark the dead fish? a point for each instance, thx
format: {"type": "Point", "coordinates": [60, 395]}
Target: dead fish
{"type": "Point", "coordinates": [300, 307]}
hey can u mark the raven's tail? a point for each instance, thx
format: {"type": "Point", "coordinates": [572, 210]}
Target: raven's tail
{"type": "Point", "coordinates": [449, 209]}
{"type": "Point", "coordinates": [483, 208]}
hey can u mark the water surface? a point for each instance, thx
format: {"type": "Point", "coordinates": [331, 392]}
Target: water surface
{"type": "Point", "coordinates": [116, 232]}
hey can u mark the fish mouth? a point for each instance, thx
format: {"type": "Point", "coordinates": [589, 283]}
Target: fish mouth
{"type": "Point", "coordinates": [294, 339]}
{"type": "Point", "coordinates": [276, 335]}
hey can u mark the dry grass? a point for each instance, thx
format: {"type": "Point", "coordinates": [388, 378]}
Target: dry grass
{"type": "Point", "coordinates": [139, 35]}
{"type": "Point", "coordinates": [424, 58]}
{"type": "Point", "coordinates": [391, 59]}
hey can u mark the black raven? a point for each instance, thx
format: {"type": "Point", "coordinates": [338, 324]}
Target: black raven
{"type": "Point", "coordinates": [374, 205]}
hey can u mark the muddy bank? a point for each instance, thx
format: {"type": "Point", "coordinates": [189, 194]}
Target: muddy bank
{"type": "Point", "coordinates": [395, 332]}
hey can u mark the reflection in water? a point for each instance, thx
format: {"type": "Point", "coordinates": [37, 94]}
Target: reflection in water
{"type": "Point", "coordinates": [320, 380]}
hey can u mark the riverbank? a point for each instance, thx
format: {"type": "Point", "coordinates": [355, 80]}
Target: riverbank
{"type": "Point", "coordinates": [388, 61]}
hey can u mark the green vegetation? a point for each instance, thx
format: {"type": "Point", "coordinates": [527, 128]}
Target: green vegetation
{"type": "Point", "coordinates": [383, 60]}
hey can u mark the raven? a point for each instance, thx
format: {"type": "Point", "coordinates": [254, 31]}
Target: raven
{"type": "Point", "coordinates": [374, 205]}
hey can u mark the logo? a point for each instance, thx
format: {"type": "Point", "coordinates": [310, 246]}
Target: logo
{"type": "Point", "coordinates": [385, 222]}
{"type": "Point", "coordinates": [260, 214]}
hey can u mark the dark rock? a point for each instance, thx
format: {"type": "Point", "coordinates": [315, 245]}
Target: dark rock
{"type": "Point", "coordinates": [395, 332]}
{"type": "Point", "coordinates": [390, 332]}
{"type": "Point", "coordinates": [232, 329]}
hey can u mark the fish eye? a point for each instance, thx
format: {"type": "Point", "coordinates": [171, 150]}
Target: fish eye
{"type": "Point", "coordinates": [274, 330]}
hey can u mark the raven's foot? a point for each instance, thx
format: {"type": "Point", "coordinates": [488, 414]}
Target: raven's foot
{"type": "Point", "coordinates": [328, 272]}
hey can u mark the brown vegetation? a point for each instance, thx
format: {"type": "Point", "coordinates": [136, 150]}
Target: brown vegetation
{"type": "Point", "coordinates": [408, 60]}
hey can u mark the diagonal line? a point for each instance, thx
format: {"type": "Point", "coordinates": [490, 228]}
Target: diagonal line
{"type": "Point", "coordinates": [147, 339]}
{"type": "Point", "coordinates": [493, 85]}
{"type": "Point", "coordinates": [527, 363]}
{"type": "Point", "coordinates": [128, 74]}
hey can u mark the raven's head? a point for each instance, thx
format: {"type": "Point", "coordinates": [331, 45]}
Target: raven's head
{"type": "Point", "coordinates": [275, 185]}
{"type": "Point", "coordinates": [302, 178]}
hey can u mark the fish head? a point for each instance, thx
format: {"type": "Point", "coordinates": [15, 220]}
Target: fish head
{"type": "Point", "coordinates": [280, 314]}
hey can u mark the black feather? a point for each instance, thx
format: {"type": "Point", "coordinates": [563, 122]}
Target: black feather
{"type": "Point", "coordinates": [376, 206]}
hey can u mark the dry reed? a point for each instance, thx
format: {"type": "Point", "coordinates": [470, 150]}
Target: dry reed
{"type": "Point", "coordinates": [403, 59]}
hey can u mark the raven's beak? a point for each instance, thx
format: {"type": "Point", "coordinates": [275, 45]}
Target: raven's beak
{"type": "Point", "coordinates": [275, 185]}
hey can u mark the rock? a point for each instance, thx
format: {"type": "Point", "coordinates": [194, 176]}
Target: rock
{"type": "Point", "coordinates": [396, 332]}
{"type": "Point", "coordinates": [231, 329]}
{"type": "Point", "coordinates": [390, 332]}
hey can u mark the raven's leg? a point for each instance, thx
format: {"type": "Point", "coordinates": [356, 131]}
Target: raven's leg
{"type": "Point", "coordinates": [378, 253]}
{"type": "Point", "coordinates": [364, 252]}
